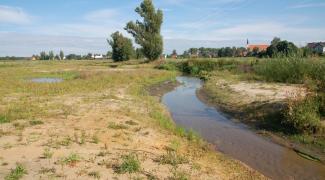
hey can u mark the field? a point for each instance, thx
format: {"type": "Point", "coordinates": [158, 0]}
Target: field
{"type": "Point", "coordinates": [98, 123]}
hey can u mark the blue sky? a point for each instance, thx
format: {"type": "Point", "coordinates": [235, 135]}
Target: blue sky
{"type": "Point", "coordinates": [81, 26]}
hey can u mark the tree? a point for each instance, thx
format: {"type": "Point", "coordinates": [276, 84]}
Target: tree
{"type": "Point", "coordinates": [275, 41]}
{"type": "Point", "coordinates": [122, 47]}
{"type": "Point", "coordinates": [61, 55]}
{"type": "Point", "coordinates": [51, 55]}
{"type": "Point", "coordinates": [139, 53]}
{"type": "Point", "coordinates": [283, 48]}
{"type": "Point", "coordinates": [147, 33]}
{"type": "Point", "coordinates": [174, 54]}
{"type": "Point", "coordinates": [44, 56]}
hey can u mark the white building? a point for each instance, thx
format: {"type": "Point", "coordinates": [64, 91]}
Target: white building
{"type": "Point", "coordinates": [97, 56]}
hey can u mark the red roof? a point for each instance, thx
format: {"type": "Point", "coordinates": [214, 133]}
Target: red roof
{"type": "Point", "coordinates": [260, 47]}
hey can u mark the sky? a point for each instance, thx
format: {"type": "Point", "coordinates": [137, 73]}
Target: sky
{"type": "Point", "coordinates": [81, 26]}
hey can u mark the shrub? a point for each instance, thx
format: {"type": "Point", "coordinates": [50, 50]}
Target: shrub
{"type": "Point", "coordinates": [285, 70]}
{"type": "Point", "coordinates": [302, 115]}
{"type": "Point", "coordinates": [16, 173]}
{"type": "Point", "coordinates": [130, 164]}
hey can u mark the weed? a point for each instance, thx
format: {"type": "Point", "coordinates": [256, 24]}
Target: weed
{"type": "Point", "coordinates": [83, 137]}
{"type": "Point", "coordinates": [95, 139]}
{"type": "Point", "coordinates": [72, 159]}
{"type": "Point", "coordinates": [66, 141]}
{"type": "Point", "coordinates": [35, 122]}
{"type": "Point", "coordinates": [179, 175]}
{"type": "Point", "coordinates": [130, 164]}
{"type": "Point", "coordinates": [16, 173]}
{"type": "Point", "coordinates": [131, 123]}
{"type": "Point", "coordinates": [302, 115]}
{"type": "Point", "coordinates": [47, 154]}
{"type": "Point", "coordinates": [3, 119]}
{"type": "Point", "coordinates": [44, 170]}
{"type": "Point", "coordinates": [94, 174]}
{"type": "Point", "coordinates": [172, 158]}
{"type": "Point", "coordinates": [113, 125]}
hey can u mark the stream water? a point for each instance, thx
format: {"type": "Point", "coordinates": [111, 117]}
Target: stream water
{"type": "Point", "coordinates": [47, 80]}
{"type": "Point", "coordinates": [235, 139]}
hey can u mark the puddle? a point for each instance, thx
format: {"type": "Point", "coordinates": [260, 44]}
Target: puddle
{"type": "Point", "coordinates": [46, 80]}
{"type": "Point", "coordinates": [236, 139]}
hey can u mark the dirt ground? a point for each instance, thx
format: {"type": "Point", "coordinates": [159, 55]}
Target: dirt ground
{"type": "Point", "coordinates": [104, 135]}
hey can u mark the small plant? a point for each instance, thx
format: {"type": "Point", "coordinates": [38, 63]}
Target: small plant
{"type": "Point", "coordinates": [302, 115]}
{"type": "Point", "coordinates": [66, 141]}
{"type": "Point", "coordinates": [3, 119]}
{"type": "Point", "coordinates": [95, 139]}
{"type": "Point", "coordinates": [35, 122]}
{"type": "Point", "coordinates": [131, 123]}
{"type": "Point", "coordinates": [172, 158]}
{"type": "Point", "coordinates": [72, 159]}
{"type": "Point", "coordinates": [179, 175]}
{"type": "Point", "coordinates": [47, 154]}
{"type": "Point", "coordinates": [94, 174]}
{"type": "Point", "coordinates": [130, 164]}
{"type": "Point", "coordinates": [47, 170]}
{"type": "Point", "coordinates": [83, 137]}
{"type": "Point", "coordinates": [16, 173]}
{"type": "Point", "coordinates": [113, 125]}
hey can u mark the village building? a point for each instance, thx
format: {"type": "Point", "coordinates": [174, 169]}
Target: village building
{"type": "Point", "coordinates": [97, 56]}
{"type": "Point", "coordinates": [259, 47]}
{"type": "Point", "coordinates": [317, 47]}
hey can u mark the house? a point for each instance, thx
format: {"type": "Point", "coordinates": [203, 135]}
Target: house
{"type": "Point", "coordinates": [317, 47]}
{"type": "Point", "coordinates": [260, 47]}
{"type": "Point", "coordinates": [97, 56]}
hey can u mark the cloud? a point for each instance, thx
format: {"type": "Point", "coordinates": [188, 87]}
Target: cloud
{"type": "Point", "coordinates": [266, 31]}
{"type": "Point", "coordinates": [307, 5]}
{"type": "Point", "coordinates": [102, 15]}
{"type": "Point", "coordinates": [18, 44]}
{"type": "Point", "coordinates": [13, 15]}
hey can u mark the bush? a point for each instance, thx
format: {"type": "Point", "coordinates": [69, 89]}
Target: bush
{"type": "Point", "coordinates": [130, 164]}
{"type": "Point", "coordinates": [302, 115]}
{"type": "Point", "coordinates": [16, 173]}
{"type": "Point", "coordinates": [288, 70]}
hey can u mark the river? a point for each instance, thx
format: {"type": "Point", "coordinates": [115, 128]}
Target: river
{"type": "Point", "coordinates": [236, 139]}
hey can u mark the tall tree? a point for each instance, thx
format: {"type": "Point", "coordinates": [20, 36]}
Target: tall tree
{"type": "Point", "coordinates": [51, 55]}
{"type": "Point", "coordinates": [61, 55]}
{"type": "Point", "coordinates": [43, 56]}
{"type": "Point", "coordinates": [121, 46]}
{"type": "Point", "coordinates": [147, 33]}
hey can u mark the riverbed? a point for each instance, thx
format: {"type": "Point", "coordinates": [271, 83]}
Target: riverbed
{"type": "Point", "coordinates": [234, 138]}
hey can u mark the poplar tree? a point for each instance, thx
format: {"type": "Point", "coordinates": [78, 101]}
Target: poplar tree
{"type": "Point", "coordinates": [147, 32]}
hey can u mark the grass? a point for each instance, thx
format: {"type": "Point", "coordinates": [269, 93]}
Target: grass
{"type": "Point", "coordinates": [172, 158]}
{"type": "Point", "coordinates": [23, 101]}
{"type": "Point", "coordinates": [47, 153]}
{"type": "Point", "coordinates": [116, 126]}
{"type": "Point", "coordinates": [130, 164]}
{"type": "Point", "coordinates": [72, 159]}
{"type": "Point", "coordinates": [94, 174]}
{"type": "Point", "coordinates": [16, 173]}
{"type": "Point", "coordinates": [35, 122]}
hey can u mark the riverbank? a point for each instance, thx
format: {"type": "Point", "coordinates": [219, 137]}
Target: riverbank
{"type": "Point", "coordinates": [260, 105]}
{"type": "Point", "coordinates": [99, 122]}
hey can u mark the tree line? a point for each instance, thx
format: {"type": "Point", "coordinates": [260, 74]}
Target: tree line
{"type": "Point", "coordinates": [277, 48]}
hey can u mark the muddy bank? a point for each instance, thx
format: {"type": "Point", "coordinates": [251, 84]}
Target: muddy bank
{"type": "Point", "coordinates": [162, 88]}
{"type": "Point", "coordinates": [245, 116]}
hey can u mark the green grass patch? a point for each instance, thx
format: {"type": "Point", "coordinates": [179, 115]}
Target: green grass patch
{"type": "Point", "coordinates": [16, 173]}
{"type": "Point", "coordinates": [130, 164]}
{"type": "Point", "coordinates": [116, 126]}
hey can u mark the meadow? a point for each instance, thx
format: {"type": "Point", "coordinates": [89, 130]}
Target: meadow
{"type": "Point", "coordinates": [99, 122]}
